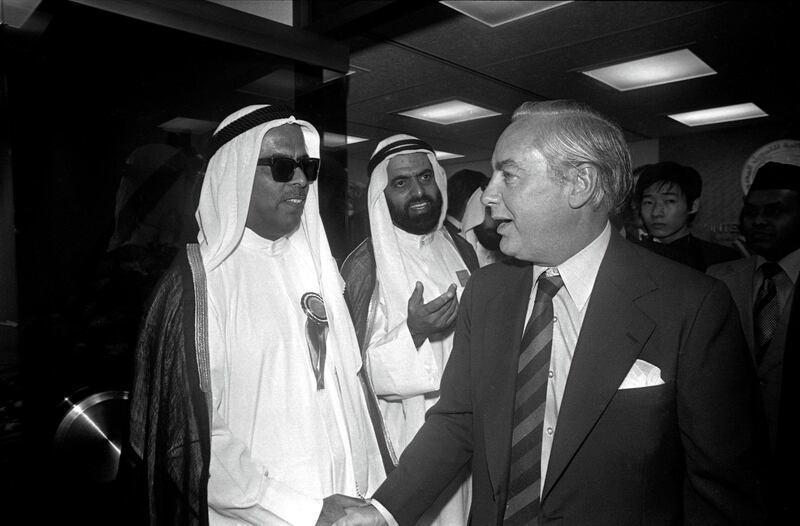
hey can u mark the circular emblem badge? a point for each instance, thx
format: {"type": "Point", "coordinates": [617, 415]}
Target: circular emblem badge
{"type": "Point", "coordinates": [314, 307]}
{"type": "Point", "coordinates": [785, 151]}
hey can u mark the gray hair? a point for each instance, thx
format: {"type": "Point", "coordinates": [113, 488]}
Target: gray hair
{"type": "Point", "coordinates": [570, 133]}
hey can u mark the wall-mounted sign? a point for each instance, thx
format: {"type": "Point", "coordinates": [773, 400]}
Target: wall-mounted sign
{"type": "Point", "coordinates": [785, 151]}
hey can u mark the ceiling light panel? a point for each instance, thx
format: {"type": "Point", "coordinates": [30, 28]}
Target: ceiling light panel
{"type": "Point", "coordinates": [449, 112]}
{"type": "Point", "coordinates": [337, 140]}
{"type": "Point", "coordinates": [442, 156]}
{"type": "Point", "coordinates": [652, 71]}
{"type": "Point", "coordinates": [736, 112]}
{"type": "Point", "coordinates": [496, 13]}
{"type": "Point", "coordinates": [329, 75]}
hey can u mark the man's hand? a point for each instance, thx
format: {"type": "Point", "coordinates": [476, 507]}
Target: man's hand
{"type": "Point", "coordinates": [436, 316]}
{"type": "Point", "coordinates": [333, 508]}
{"type": "Point", "coordinates": [363, 516]}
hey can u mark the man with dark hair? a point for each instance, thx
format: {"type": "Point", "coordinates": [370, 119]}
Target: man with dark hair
{"type": "Point", "coordinates": [402, 287]}
{"type": "Point", "coordinates": [764, 287]}
{"type": "Point", "coordinates": [668, 195]}
{"type": "Point", "coordinates": [460, 186]}
{"type": "Point", "coordinates": [247, 405]}
{"type": "Point", "coordinates": [480, 230]}
{"type": "Point", "coordinates": [628, 398]}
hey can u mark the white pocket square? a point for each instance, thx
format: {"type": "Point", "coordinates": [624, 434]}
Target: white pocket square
{"type": "Point", "coordinates": [642, 374]}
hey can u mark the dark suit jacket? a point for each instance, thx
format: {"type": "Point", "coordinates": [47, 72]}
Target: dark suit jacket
{"type": "Point", "coordinates": [689, 451]}
{"type": "Point", "coordinates": [777, 374]}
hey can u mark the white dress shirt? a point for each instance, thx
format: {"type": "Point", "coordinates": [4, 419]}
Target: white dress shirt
{"type": "Point", "coordinates": [569, 308]}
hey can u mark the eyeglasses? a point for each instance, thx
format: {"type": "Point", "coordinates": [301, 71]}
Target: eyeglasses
{"type": "Point", "coordinates": [283, 168]}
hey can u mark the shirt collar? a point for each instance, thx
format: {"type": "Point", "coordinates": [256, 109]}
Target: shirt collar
{"type": "Point", "coordinates": [408, 240]}
{"type": "Point", "coordinates": [252, 241]}
{"type": "Point", "coordinates": [790, 264]}
{"type": "Point", "coordinates": [580, 271]}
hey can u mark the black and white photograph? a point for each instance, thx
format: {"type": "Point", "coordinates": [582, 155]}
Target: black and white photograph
{"type": "Point", "coordinates": [399, 262]}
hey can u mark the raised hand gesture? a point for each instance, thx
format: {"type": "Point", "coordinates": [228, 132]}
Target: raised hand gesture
{"type": "Point", "coordinates": [435, 317]}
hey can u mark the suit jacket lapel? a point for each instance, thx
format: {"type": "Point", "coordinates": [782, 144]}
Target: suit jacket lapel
{"type": "Point", "coordinates": [502, 339]}
{"type": "Point", "coordinates": [738, 275]}
{"type": "Point", "coordinates": [613, 333]}
{"type": "Point", "coordinates": [741, 288]}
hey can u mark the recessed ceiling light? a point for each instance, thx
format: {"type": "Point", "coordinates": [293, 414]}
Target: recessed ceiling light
{"type": "Point", "coordinates": [329, 74]}
{"type": "Point", "coordinates": [652, 71]}
{"type": "Point", "coordinates": [496, 13]}
{"type": "Point", "coordinates": [736, 112]}
{"type": "Point", "coordinates": [442, 156]}
{"type": "Point", "coordinates": [185, 124]}
{"type": "Point", "coordinates": [337, 140]}
{"type": "Point", "coordinates": [449, 112]}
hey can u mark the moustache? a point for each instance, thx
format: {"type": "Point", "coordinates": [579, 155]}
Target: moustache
{"type": "Point", "coordinates": [299, 193]}
{"type": "Point", "coordinates": [422, 201]}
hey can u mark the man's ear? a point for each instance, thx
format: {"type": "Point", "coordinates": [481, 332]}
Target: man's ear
{"type": "Point", "coordinates": [583, 181]}
{"type": "Point", "coordinates": [695, 206]}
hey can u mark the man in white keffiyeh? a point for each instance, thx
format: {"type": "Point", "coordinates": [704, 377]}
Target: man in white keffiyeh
{"type": "Point", "coordinates": [282, 421]}
{"type": "Point", "coordinates": [403, 285]}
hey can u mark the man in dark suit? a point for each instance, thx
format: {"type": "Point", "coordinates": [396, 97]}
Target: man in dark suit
{"type": "Point", "coordinates": [630, 399]}
{"type": "Point", "coordinates": [764, 288]}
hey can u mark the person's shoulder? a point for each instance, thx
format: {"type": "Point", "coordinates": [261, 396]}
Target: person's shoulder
{"type": "Point", "coordinates": [664, 288]}
{"type": "Point", "coordinates": [744, 265]}
{"type": "Point", "coordinates": [716, 253]}
{"type": "Point", "coordinates": [662, 249]}
{"type": "Point", "coordinates": [177, 278]}
{"type": "Point", "coordinates": [171, 277]}
{"type": "Point", "coordinates": [172, 294]}
{"type": "Point", "coordinates": [359, 261]}
{"type": "Point", "coordinates": [505, 270]}
{"type": "Point", "coordinates": [664, 270]}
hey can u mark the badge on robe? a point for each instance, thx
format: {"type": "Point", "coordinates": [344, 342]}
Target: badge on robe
{"type": "Point", "coordinates": [316, 333]}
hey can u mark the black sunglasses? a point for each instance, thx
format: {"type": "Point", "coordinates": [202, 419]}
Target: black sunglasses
{"type": "Point", "coordinates": [283, 168]}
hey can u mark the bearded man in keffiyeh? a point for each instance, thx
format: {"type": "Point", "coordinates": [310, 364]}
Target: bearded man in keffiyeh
{"type": "Point", "coordinates": [247, 404]}
{"type": "Point", "coordinates": [403, 285]}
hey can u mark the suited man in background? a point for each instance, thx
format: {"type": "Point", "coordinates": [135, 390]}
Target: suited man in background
{"type": "Point", "coordinates": [629, 399]}
{"type": "Point", "coordinates": [764, 287]}
{"type": "Point", "coordinates": [460, 186]}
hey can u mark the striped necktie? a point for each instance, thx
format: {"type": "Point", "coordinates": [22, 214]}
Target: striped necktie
{"type": "Point", "coordinates": [765, 309]}
{"type": "Point", "coordinates": [531, 393]}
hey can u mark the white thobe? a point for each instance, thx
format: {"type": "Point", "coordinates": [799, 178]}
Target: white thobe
{"type": "Point", "coordinates": [406, 379]}
{"type": "Point", "coordinates": [278, 445]}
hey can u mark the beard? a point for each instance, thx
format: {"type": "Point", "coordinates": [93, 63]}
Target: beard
{"type": "Point", "coordinates": [417, 223]}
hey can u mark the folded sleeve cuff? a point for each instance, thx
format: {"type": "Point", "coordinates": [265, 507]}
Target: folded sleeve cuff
{"type": "Point", "coordinates": [388, 517]}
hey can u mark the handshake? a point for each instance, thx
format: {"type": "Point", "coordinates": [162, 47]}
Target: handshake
{"type": "Point", "coordinates": [341, 510]}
